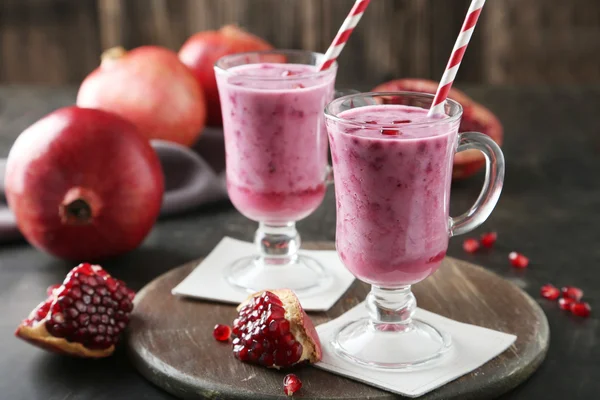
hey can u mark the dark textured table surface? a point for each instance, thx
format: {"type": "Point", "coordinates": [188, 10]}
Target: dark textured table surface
{"type": "Point", "coordinates": [548, 211]}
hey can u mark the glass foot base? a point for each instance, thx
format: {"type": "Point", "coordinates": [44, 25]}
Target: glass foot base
{"type": "Point", "coordinates": [304, 275]}
{"type": "Point", "coordinates": [390, 346]}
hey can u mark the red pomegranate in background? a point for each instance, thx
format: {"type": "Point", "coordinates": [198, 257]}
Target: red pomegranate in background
{"type": "Point", "coordinates": [201, 51]}
{"type": "Point", "coordinates": [476, 118]}
{"type": "Point", "coordinates": [150, 87]}
{"type": "Point", "coordinates": [83, 317]}
{"type": "Point", "coordinates": [83, 184]}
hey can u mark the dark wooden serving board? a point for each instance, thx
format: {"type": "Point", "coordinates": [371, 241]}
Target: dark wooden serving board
{"type": "Point", "coordinates": [171, 344]}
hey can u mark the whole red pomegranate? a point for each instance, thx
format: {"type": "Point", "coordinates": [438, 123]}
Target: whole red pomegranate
{"type": "Point", "coordinates": [83, 184]}
{"type": "Point", "coordinates": [83, 317]}
{"type": "Point", "coordinates": [150, 87]}
{"type": "Point", "coordinates": [202, 50]}
{"type": "Point", "coordinates": [475, 118]}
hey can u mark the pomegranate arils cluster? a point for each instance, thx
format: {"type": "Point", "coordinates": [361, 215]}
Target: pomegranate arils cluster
{"type": "Point", "coordinates": [570, 300]}
{"type": "Point", "coordinates": [90, 309]}
{"type": "Point", "coordinates": [273, 330]}
{"type": "Point", "coordinates": [263, 334]}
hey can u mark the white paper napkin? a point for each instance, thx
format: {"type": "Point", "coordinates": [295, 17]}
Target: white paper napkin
{"type": "Point", "coordinates": [207, 280]}
{"type": "Point", "coordinates": [472, 346]}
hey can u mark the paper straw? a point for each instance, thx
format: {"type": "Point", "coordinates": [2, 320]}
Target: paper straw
{"type": "Point", "coordinates": [344, 33]}
{"type": "Point", "coordinates": [456, 57]}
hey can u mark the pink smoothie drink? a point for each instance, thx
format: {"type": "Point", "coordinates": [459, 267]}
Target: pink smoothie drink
{"type": "Point", "coordinates": [391, 190]}
{"type": "Point", "coordinates": [275, 139]}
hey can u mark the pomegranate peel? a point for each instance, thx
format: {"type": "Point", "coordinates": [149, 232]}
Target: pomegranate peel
{"type": "Point", "coordinates": [150, 87]}
{"type": "Point", "coordinates": [39, 336]}
{"type": "Point", "coordinates": [202, 50]}
{"type": "Point", "coordinates": [84, 317]}
{"type": "Point", "coordinates": [274, 331]}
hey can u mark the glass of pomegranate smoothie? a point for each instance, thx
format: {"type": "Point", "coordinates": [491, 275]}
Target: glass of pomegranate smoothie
{"type": "Point", "coordinates": [276, 159]}
{"type": "Point", "coordinates": [393, 168]}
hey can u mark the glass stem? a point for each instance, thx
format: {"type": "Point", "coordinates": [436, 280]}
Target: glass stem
{"type": "Point", "coordinates": [277, 244]}
{"type": "Point", "coordinates": [391, 306]}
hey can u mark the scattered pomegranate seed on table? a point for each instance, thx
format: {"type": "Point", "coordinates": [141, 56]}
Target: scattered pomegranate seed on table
{"type": "Point", "coordinates": [518, 260]}
{"type": "Point", "coordinates": [471, 245]}
{"type": "Point", "coordinates": [488, 239]}
{"type": "Point", "coordinates": [572, 292]}
{"type": "Point", "coordinates": [581, 309]}
{"type": "Point", "coordinates": [550, 292]}
{"type": "Point", "coordinates": [222, 332]}
{"type": "Point", "coordinates": [291, 384]}
{"type": "Point", "coordinates": [565, 303]}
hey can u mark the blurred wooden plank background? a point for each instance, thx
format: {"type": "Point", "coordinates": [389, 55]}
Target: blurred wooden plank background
{"type": "Point", "coordinates": [517, 42]}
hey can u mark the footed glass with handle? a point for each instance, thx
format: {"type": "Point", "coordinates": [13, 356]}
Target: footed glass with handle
{"type": "Point", "coordinates": [393, 167]}
{"type": "Point", "coordinates": [276, 160]}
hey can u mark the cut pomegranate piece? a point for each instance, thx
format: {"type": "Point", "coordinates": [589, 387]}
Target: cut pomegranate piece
{"type": "Point", "coordinates": [471, 245]}
{"type": "Point", "coordinates": [518, 260]}
{"type": "Point", "coordinates": [475, 118]}
{"type": "Point", "coordinates": [565, 303]}
{"type": "Point", "coordinates": [550, 292]}
{"type": "Point", "coordinates": [581, 309]}
{"type": "Point", "coordinates": [83, 317]}
{"type": "Point", "coordinates": [291, 384]}
{"type": "Point", "coordinates": [572, 292]}
{"type": "Point", "coordinates": [488, 239]}
{"type": "Point", "coordinates": [273, 330]}
{"type": "Point", "coordinates": [222, 332]}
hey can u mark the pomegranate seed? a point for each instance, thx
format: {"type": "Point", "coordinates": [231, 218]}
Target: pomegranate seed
{"type": "Point", "coordinates": [51, 289]}
{"type": "Point", "coordinates": [370, 122]}
{"type": "Point", "coordinates": [222, 332]}
{"type": "Point", "coordinates": [390, 132]}
{"type": "Point", "coordinates": [287, 72]}
{"type": "Point", "coordinates": [572, 292]}
{"type": "Point", "coordinates": [565, 303]}
{"type": "Point", "coordinates": [403, 121]}
{"type": "Point", "coordinates": [550, 292]}
{"type": "Point", "coordinates": [518, 260]}
{"type": "Point", "coordinates": [581, 309]}
{"type": "Point", "coordinates": [299, 86]}
{"type": "Point", "coordinates": [470, 245]}
{"type": "Point", "coordinates": [291, 384]}
{"type": "Point", "coordinates": [488, 239]}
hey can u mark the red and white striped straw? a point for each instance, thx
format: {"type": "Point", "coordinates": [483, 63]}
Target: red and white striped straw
{"type": "Point", "coordinates": [455, 59]}
{"type": "Point", "coordinates": [344, 33]}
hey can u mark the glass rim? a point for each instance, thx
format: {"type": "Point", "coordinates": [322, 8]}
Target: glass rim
{"type": "Point", "coordinates": [451, 118]}
{"type": "Point", "coordinates": [317, 74]}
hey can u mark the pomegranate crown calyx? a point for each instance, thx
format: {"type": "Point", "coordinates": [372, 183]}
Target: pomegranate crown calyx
{"type": "Point", "coordinates": [111, 55]}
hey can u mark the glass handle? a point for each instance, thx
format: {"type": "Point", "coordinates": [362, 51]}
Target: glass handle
{"type": "Point", "coordinates": [492, 186]}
